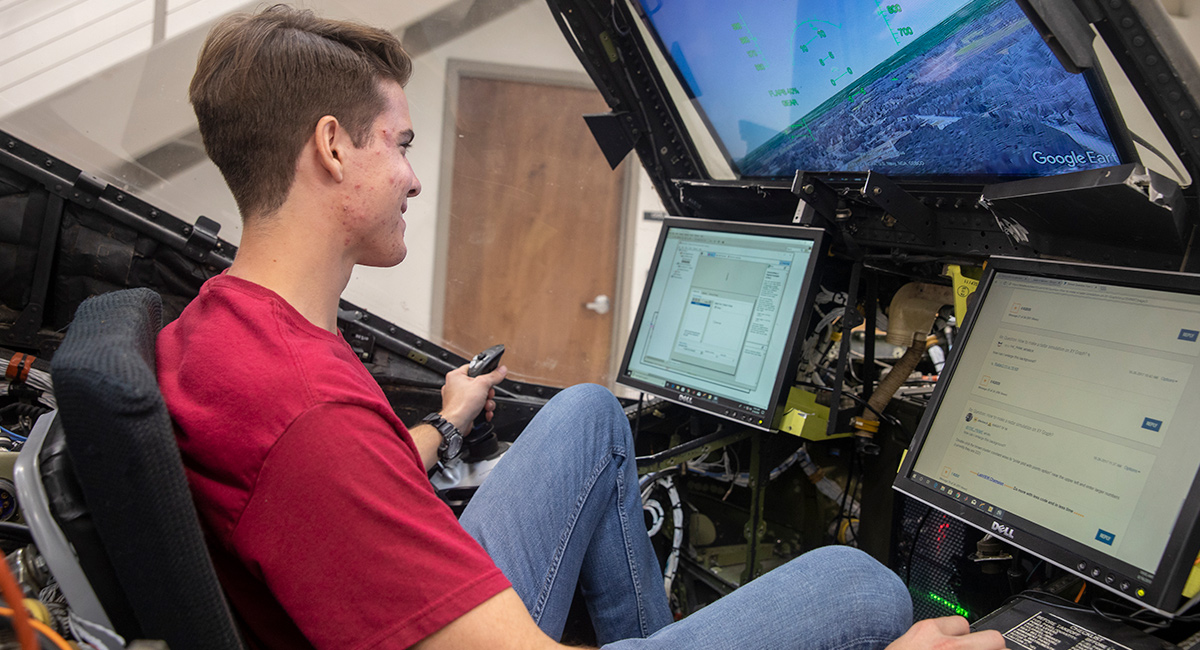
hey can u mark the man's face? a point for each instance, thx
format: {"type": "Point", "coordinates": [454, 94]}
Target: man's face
{"type": "Point", "coordinates": [379, 180]}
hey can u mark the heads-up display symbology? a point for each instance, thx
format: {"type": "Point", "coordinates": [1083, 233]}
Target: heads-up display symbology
{"type": "Point", "coordinates": [904, 87]}
{"type": "Point", "coordinates": [719, 316]}
{"type": "Point", "coordinates": [1065, 423]}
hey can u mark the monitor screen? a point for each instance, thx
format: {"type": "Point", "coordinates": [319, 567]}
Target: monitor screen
{"type": "Point", "coordinates": [1066, 423]}
{"type": "Point", "coordinates": [906, 88]}
{"type": "Point", "coordinates": [719, 316]}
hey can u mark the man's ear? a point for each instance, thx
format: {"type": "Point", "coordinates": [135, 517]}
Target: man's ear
{"type": "Point", "coordinates": [331, 140]}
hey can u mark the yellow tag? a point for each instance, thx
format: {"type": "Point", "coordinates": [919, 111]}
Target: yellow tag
{"type": "Point", "coordinates": [1193, 582]}
{"type": "Point", "coordinates": [965, 280]}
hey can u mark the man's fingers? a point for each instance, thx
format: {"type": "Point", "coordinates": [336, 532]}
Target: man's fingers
{"type": "Point", "coordinates": [952, 625]}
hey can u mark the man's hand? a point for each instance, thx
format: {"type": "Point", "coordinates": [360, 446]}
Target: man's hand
{"type": "Point", "coordinates": [949, 633]}
{"type": "Point", "coordinates": [465, 397]}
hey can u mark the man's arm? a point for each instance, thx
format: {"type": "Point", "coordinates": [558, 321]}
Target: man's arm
{"type": "Point", "coordinates": [463, 398]}
{"type": "Point", "coordinates": [502, 623]}
{"type": "Point", "coordinates": [499, 623]}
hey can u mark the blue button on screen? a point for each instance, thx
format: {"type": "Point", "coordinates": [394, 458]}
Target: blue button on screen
{"type": "Point", "coordinates": [1152, 424]}
{"type": "Point", "coordinates": [1105, 536]}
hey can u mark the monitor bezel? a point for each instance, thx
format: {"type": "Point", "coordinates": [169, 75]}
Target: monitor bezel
{"type": "Point", "coordinates": [1094, 78]}
{"type": "Point", "coordinates": [1164, 594]}
{"type": "Point", "coordinates": [799, 319]}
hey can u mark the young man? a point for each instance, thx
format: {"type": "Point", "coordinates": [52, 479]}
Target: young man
{"type": "Point", "coordinates": [322, 525]}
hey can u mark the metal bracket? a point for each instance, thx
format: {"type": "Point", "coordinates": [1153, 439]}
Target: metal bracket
{"type": "Point", "coordinates": [1065, 29]}
{"type": "Point", "coordinates": [756, 527]}
{"type": "Point", "coordinates": [814, 193]}
{"type": "Point", "coordinates": [362, 341]}
{"type": "Point", "coordinates": [901, 208]}
{"type": "Point", "coordinates": [616, 133]}
{"type": "Point", "coordinates": [201, 238]}
{"type": "Point", "coordinates": [850, 320]}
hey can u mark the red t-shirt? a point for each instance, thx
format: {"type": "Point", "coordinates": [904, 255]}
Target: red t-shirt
{"type": "Point", "coordinates": [323, 527]}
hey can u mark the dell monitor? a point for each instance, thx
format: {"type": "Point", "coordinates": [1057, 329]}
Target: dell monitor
{"type": "Point", "coordinates": [718, 321]}
{"type": "Point", "coordinates": [954, 88]}
{"type": "Point", "coordinates": [1066, 423]}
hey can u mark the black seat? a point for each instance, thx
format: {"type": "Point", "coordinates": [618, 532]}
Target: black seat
{"type": "Point", "coordinates": [136, 533]}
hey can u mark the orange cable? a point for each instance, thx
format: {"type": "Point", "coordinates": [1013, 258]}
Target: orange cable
{"type": "Point", "coordinates": [46, 631]}
{"type": "Point", "coordinates": [13, 596]}
{"type": "Point", "coordinates": [1079, 595]}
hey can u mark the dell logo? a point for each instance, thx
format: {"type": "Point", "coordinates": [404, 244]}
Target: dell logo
{"type": "Point", "coordinates": [686, 399]}
{"type": "Point", "coordinates": [998, 527]}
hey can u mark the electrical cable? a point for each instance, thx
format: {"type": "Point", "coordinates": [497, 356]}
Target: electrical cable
{"type": "Point", "coordinates": [15, 532]}
{"type": "Point", "coordinates": [612, 17]}
{"type": "Point", "coordinates": [20, 618]}
{"type": "Point", "coordinates": [14, 436]}
{"type": "Point", "coordinates": [1142, 141]}
{"type": "Point", "coordinates": [39, 379]}
{"type": "Point", "coordinates": [851, 536]}
{"type": "Point", "coordinates": [647, 484]}
{"type": "Point", "coordinates": [912, 550]}
{"type": "Point", "coordinates": [891, 419]}
{"type": "Point", "coordinates": [637, 420]}
{"type": "Point", "coordinates": [1058, 601]}
{"type": "Point", "coordinates": [35, 625]}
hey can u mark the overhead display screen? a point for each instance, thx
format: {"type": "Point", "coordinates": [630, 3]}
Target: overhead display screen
{"type": "Point", "coordinates": [905, 88]}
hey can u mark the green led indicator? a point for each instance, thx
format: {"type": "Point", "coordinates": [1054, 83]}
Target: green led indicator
{"type": "Point", "coordinates": [955, 607]}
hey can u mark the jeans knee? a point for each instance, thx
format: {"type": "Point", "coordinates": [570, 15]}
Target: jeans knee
{"type": "Point", "coordinates": [589, 397]}
{"type": "Point", "coordinates": [862, 585]}
{"type": "Point", "coordinates": [589, 414]}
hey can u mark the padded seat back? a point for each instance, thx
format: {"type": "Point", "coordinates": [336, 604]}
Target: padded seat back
{"type": "Point", "coordinates": [127, 467]}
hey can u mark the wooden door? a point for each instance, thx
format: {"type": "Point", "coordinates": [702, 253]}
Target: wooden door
{"type": "Point", "coordinates": [533, 231]}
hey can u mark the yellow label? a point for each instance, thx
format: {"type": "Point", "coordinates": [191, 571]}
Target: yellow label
{"type": "Point", "coordinates": [965, 280]}
{"type": "Point", "coordinates": [1193, 582]}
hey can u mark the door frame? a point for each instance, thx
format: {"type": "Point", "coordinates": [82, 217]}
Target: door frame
{"type": "Point", "coordinates": [457, 69]}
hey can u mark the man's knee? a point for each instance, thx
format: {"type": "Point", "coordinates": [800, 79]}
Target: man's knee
{"type": "Point", "coordinates": [589, 397]}
{"type": "Point", "coordinates": [587, 412]}
{"type": "Point", "coordinates": [854, 582]}
{"type": "Point", "coordinates": [590, 403]}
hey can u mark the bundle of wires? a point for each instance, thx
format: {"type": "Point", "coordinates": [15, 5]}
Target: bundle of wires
{"type": "Point", "coordinates": [648, 483]}
{"type": "Point", "coordinates": [31, 634]}
{"type": "Point", "coordinates": [22, 371]}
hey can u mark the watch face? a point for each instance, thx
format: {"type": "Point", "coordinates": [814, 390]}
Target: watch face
{"type": "Point", "coordinates": [453, 446]}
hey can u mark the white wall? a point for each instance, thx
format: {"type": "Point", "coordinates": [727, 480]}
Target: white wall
{"type": "Point", "coordinates": [527, 37]}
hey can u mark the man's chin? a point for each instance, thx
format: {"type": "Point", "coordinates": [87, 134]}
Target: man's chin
{"type": "Point", "coordinates": [386, 261]}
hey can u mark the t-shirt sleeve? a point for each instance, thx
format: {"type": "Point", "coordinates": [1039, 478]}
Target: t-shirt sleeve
{"type": "Point", "coordinates": [346, 531]}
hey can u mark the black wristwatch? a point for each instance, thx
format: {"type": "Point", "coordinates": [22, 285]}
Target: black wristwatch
{"type": "Point", "coordinates": [452, 440]}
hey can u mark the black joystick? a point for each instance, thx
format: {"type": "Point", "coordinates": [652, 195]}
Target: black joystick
{"type": "Point", "coordinates": [482, 443]}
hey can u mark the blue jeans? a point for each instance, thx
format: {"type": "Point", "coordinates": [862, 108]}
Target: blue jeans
{"type": "Point", "coordinates": [563, 508]}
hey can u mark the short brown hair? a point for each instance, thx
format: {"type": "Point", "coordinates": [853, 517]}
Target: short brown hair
{"type": "Point", "coordinates": [264, 80]}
